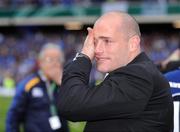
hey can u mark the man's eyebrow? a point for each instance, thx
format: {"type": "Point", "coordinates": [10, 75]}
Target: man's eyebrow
{"type": "Point", "coordinates": [103, 37]}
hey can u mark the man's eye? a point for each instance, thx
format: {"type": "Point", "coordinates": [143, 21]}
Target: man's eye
{"type": "Point", "coordinates": [107, 41]}
{"type": "Point", "coordinates": [95, 42]}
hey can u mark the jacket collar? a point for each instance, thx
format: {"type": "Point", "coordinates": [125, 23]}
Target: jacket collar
{"type": "Point", "coordinates": [42, 76]}
{"type": "Point", "coordinates": [139, 58]}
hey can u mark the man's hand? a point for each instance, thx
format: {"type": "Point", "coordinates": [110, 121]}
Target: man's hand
{"type": "Point", "coordinates": [88, 47]}
{"type": "Point", "coordinates": [56, 75]}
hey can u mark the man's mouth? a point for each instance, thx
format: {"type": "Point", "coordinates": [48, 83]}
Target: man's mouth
{"type": "Point", "coordinates": [101, 58]}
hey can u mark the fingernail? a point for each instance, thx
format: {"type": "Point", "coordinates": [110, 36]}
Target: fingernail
{"type": "Point", "coordinates": [89, 30]}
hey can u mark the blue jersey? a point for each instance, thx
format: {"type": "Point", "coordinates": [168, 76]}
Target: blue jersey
{"type": "Point", "coordinates": [31, 107]}
{"type": "Point", "coordinates": [174, 82]}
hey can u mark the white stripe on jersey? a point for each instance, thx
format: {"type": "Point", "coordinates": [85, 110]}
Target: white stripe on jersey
{"type": "Point", "coordinates": [174, 85]}
{"type": "Point", "coordinates": [176, 116]}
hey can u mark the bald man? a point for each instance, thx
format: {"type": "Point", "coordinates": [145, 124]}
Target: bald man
{"type": "Point", "coordinates": [134, 96]}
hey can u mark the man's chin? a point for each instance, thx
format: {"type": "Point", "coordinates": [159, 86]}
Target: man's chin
{"type": "Point", "coordinates": [102, 69]}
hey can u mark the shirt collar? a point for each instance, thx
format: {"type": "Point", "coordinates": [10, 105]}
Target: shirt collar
{"type": "Point", "coordinates": [42, 76]}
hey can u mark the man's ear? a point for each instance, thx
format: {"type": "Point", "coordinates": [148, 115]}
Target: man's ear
{"type": "Point", "coordinates": [134, 43]}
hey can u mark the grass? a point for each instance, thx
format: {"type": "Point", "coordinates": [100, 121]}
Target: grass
{"type": "Point", "coordinates": [4, 106]}
{"type": "Point", "coordinates": [76, 126]}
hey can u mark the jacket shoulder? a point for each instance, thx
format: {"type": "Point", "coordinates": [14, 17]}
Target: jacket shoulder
{"type": "Point", "coordinates": [173, 75]}
{"type": "Point", "coordinates": [31, 82]}
{"type": "Point", "coordinates": [28, 83]}
{"type": "Point", "coordinates": [141, 70]}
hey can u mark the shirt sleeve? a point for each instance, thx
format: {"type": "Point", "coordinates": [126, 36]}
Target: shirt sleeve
{"type": "Point", "coordinates": [17, 109]}
{"type": "Point", "coordinates": [120, 95]}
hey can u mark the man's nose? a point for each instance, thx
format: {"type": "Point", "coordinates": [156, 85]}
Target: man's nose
{"type": "Point", "coordinates": [56, 63]}
{"type": "Point", "coordinates": [99, 48]}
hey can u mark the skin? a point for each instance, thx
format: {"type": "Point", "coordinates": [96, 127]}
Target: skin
{"type": "Point", "coordinates": [113, 42]}
{"type": "Point", "coordinates": [51, 65]}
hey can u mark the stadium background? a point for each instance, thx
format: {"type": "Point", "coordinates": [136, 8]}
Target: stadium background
{"type": "Point", "coordinates": [25, 25]}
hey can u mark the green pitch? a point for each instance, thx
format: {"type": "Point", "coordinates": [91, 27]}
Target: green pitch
{"type": "Point", "coordinates": [76, 126]}
{"type": "Point", "coordinates": [4, 105]}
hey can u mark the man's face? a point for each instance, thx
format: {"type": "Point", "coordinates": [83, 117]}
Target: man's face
{"type": "Point", "coordinates": [51, 63]}
{"type": "Point", "coordinates": [111, 47]}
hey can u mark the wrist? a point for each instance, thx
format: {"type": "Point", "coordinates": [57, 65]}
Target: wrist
{"type": "Point", "coordinates": [80, 54]}
{"type": "Point", "coordinates": [88, 54]}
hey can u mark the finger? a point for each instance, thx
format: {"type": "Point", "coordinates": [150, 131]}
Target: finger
{"type": "Point", "coordinates": [90, 31]}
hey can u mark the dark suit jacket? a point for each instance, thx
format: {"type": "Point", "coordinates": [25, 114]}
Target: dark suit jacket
{"type": "Point", "coordinates": [133, 98]}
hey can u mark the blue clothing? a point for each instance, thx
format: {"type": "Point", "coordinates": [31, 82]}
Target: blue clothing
{"type": "Point", "coordinates": [31, 107]}
{"type": "Point", "coordinates": [174, 81]}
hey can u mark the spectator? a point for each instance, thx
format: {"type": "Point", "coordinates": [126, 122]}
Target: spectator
{"type": "Point", "coordinates": [8, 81]}
{"type": "Point", "coordinates": [174, 81]}
{"type": "Point", "coordinates": [34, 103]}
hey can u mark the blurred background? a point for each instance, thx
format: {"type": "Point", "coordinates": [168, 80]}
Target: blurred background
{"type": "Point", "coordinates": [25, 25]}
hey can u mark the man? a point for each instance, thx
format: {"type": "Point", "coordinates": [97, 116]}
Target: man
{"type": "Point", "coordinates": [174, 81]}
{"type": "Point", "coordinates": [134, 96]}
{"type": "Point", "coordinates": [34, 104]}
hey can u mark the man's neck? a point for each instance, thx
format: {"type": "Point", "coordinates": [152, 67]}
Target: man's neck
{"type": "Point", "coordinates": [133, 55]}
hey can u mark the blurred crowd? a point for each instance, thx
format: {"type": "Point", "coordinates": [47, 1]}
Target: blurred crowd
{"type": "Point", "coordinates": [160, 45]}
{"type": "Point", "coordinates": [51, 2]}
{"type": "Point", "coordinates": [18, 50]}
{"type": "Point", "coordinates": [15, 3]}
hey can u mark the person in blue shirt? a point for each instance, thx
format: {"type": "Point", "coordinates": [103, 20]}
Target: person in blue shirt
{"type": "Point", "coordinates": [174, 82]}
{"type": "Point", "coordinates": [34, 104]}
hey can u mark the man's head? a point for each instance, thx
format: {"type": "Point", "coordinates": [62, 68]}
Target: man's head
{"type": "Point", "coordinates": [117, 40]}
{"type": "Point", "coordinates": [51, 60]}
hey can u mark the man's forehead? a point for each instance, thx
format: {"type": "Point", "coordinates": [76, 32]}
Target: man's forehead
{"type": "Point", "coordinates": [50, 51]}
{"type": "Point", "coordinates": [104, 30]}
{"type": "Point", "coordinates": [111, 17]}
{"type": "Point", "coordinates": [112, 24]}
